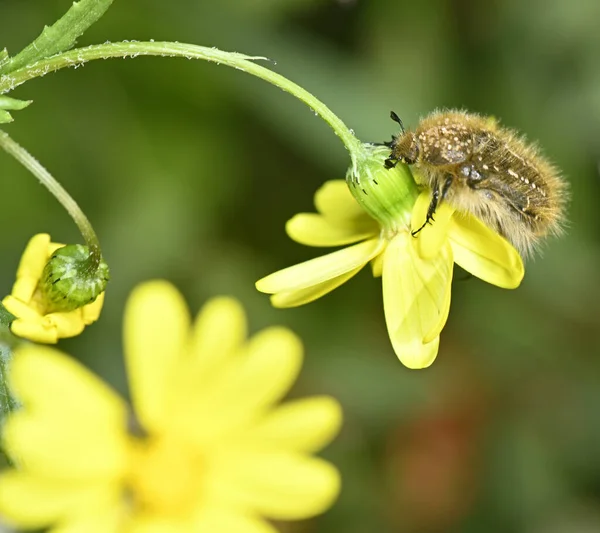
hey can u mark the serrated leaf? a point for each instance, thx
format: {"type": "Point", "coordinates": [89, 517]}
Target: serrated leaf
{"type": "Point", "coordinates": [59, 37]}
{"type": "Point", "coordinates": [12, 104]}
{"type": "Point", "coordinates": [5, 117]}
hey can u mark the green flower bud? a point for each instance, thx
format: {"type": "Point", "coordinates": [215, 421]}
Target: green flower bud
{"type": "Point", "coordinates": [387, 194]}
{"type": "Point", "coordinates": [71, 279]}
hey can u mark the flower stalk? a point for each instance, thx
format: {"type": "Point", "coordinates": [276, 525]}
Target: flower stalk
{"type": "Point", "coordinates": [132, 49]}
{"type": "Point", "coordinates": [58, 191]}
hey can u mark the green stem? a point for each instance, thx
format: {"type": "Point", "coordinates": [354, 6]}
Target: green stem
{"type": "Point", "coordinates": [242, 62]}
{"type": "Point", "coordinates": [57, 190]}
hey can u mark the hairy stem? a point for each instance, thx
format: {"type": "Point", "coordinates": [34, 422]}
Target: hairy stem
{"type": "Point", "coordinates": [131, 49]}
{"type": "Point", "coordinates": [57, 190]}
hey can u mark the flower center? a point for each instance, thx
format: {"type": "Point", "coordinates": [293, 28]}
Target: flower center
{"type": "Point", "coordinates": [166, 477]}
{"type": "Point", "coordinates": [387, 194]}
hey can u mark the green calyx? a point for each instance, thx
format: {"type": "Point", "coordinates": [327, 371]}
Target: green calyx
{"type": "Point", "coordinates": [387, 194]}
{"type": "Point", "coordinates": [72, 279]}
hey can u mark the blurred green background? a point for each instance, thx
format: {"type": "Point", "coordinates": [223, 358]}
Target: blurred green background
{"type": "Point", "coordinates": [189, 171]}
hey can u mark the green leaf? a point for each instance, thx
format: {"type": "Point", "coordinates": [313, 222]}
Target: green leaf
{"type": "Point", "coordinates": [7, 343]}
{"type": "Point", "coordinates": [59, 37]}
{"type": "Point", "coordinates": [6, 317]}
{"type": "Point", "coordinates": [3, 57]}
{"type": "Point", "coordinates": [6, 102]}
{"type": "Point", "coordinates": [5, 117]}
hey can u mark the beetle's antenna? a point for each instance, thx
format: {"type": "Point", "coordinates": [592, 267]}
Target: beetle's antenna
{"type": "Point", "coordinates": [397, 119]}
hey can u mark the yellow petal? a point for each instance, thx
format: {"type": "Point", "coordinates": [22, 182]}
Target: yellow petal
{"type": "Point", "coordinates": [20, 309]}
{"type": "Point", "coordinates": [377, 266]}
{"type": "Point", "coordinates": [66, 408]}
{"type": "Point", "coordinates": [50, 382]}
{"type": "Point", "coordinates": [58, 445]}
{"type": "Point", "coordinates": [484, 253]}
{"type": "Point", "coordinates": [24, 287]}
{"type": "Point", "coordinates": [218, 333]}
{"type": "Point", "coordinates": [419, 212]}
{"type": "Point", "coordinates": [432, 236]}
{"type": "Point", "coordinates": [417, 355]}
{"type": "Point", "coordinates": [34, 330]}
{"type": "Point", "coordinates": [438, 326]}
{"type": "Point", "coordinates": [310, 294]}
{"type": "Point", "coordinates": [66, 324]}
{"type": "Point", "coordinates": [315, 230]}
{"type": "Point", "coordinates": [320, 269]}
{"type": "Point", "coordinates": [256, 379]}
{"type": "Point", "coordinates": [110, 521]}
{"type": "Point", "coordinates": [31, 266]}
{"type": "Point", "coordinates": [53, 246]}
{"type": "Point", "coordinates": [305, 425]}
{"type": "Point", "coordinates": [415, 299]}
{"type": "Point", "coordinates": [280, 485]}
{"type": "Point", "coordinates": [157, 324]}
{"type": "Point", "coordinates": [91, 312]}
{"type": "Point", "coordinates": [34, 502]}
{"type": "Point", "coordinates": [335, 201]}
{"type": "Point", "coordinates": [273, 359]}
{"type": "Point", "coordinates": [151, 523]}
{"type": "Point", "coordinates": [225, 521]}
{"type": "Point", "coordinates": [218, 337]}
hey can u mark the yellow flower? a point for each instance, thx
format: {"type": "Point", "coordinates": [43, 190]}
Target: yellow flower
{"type": "Point", "coordinates": [34, 321]}
{"type": "Point", "coordinates": [417, 271]}
{"type": "Point", "coordinates": [207, 450]}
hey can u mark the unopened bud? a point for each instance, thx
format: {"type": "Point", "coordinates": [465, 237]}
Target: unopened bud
{"type": "Point", "coordinates": [71, 279]}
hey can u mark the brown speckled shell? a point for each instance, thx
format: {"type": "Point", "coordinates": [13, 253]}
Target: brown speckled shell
{"type": "Point", "coordinates": [497, 176]}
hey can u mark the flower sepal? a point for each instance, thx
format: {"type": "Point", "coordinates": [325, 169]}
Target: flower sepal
{"type": "Point", "coordinates": [386, 194]}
